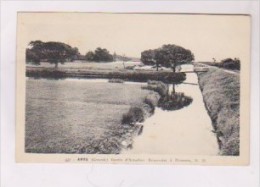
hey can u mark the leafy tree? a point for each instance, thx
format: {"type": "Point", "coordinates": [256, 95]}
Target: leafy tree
{"type": "Point", "coordinates": [75, 54]}
{"type": "Point", "coordinates": [53, 52]}
{"type": "Point", "coordinates": [172, 55]}
{"type": "Point", "coordinates": [103, 55]}
{"type": "Point", "coordinates": [168, 56]}
{"type": "Point", "coordinates": [33, 52]}
{"type": "Point", "coordinates": [32, 57]}
{"type": "Point", "coordinates": [99, 55]}
{"type": "Point", "coordinates": [148, 57]}
{"type": "Point", "coordinates": [90, 56]}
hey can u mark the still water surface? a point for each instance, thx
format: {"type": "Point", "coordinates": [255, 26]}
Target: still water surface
{"type": "Point", "coordinates": [179, 132]}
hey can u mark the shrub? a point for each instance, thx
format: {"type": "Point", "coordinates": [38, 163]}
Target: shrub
{"type": "Point", "coordinates": [174, 101]}
{"type": "Point", "coordinates": [134, 115]}
{"type": "Point", "coordinates": [45, 73]}
{"type": "Point", "coordinates": [230, 63]}
{"type": "Point", "coordinates": [150, 103]}
{"type": "Point", "coordinates": [157, 86]}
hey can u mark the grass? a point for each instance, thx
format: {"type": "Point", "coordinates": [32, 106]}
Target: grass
{"type": "Point", "coordinates": [125, 75]}
{"type": "Point", "coordinates": [84, 65]}
{"type": "Point", "coordinates": [138, 113]}
{"type": "Point", "coordinates": [61, 116]}
{"type": "Point", "coordinates": [221, 93]}
{"type": "Point", "coordinates": [79, 117]}
{"type": "Point", "coordinates": [112, 70]}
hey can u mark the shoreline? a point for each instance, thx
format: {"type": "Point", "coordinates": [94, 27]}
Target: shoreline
{"type": "Point", "coordinates": [126, 75]}
{"type": "Point", "coordinates": [172, 132]}
{"type": "Point", "coordinates": [139, 113]}
{"type": "Point", "coordinates": [221, 96]}
{"type": "Point", "coordinates": [121, 135]}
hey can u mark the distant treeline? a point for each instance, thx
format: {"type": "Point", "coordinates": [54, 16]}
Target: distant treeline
{"type": "Point", "coordinates": [228, 63]}
{"type": "Point", "coordinates": [52, 52]}
{"type": "Point", "coordinates": [103, 55]}
{"type": "Point", "coordinates": [58, 52]}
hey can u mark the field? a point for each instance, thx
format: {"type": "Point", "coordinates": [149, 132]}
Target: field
{"type": "Point", "coordinates": [221, 93]}
{"type": "Point", "coordinates": [78, 116]}
{"type": "Point", "coordinates": [84, 65]}
{"type": "Point", "coordinates": [112, 70]}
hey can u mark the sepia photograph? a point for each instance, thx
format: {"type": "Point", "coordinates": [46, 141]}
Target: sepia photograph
{"type": "Point", "coordinates": [133, 88]}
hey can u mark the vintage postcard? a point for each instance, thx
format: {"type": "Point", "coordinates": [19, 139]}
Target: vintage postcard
{"type": "Point", "coordinates": [133, 88]}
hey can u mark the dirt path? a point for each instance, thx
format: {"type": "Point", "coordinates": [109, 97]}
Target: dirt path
{"type": "Point", "coordinates": [181, 132]}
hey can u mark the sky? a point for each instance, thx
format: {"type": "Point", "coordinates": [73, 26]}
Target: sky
{"type": "Point", "coordinates": [207, 36]}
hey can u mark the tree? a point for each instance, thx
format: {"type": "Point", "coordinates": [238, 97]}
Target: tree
{"type": "Point", "coordinates": [32, 57]}
{"type": "Point", "coordinates": [172, 55]}
{"type": "Point", "coordinates": [53, 52]}
{"type": "Point", "coordinates": [148, 57]}
{"type": "Point", "coordinates": [168, 56]}
{"type": "Point", "coordinates": [75, 54]}
{"type": "Point", "coordinates": [103, 55]}
{"type": "Point", "coordinates": [99, 55]}
{"type": "Point", "coordinates": [34, 52]}
{"type": "Point", "coordinates": [90, 56]}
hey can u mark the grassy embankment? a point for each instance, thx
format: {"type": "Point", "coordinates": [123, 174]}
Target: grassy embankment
{"type": "Point", "coordinates": [126, 75]}
{"type": "Point", "coordinates": [69, 128]}
{"type": "Point", "coordinates": [221, 93]}
{"type": "Point", "coordinates": [83, 117]}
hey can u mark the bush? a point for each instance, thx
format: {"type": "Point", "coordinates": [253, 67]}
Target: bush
{"type": "Point", "coordinates": [174, 101]}
{"type": "Point", "coordinates": [45, 73]}
{"type": "Point", "coordinates": [134, 115]}
{"type": "Point", "coordinates": [157, 86]}
{"type": "Point", "coordinates": [152, 101]}
{"type": "Point", "coordinates": [229, 63]}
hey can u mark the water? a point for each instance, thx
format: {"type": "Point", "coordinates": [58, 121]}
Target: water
{"type": "Point", "coordinates": [88, 65]}
{"type": "Point", "coordinates": [179, 132]}
{"type": "Point", "coordinates": [78, 80]}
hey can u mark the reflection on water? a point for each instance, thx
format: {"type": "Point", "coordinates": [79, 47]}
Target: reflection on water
{"type": "Point", "coordinates": [87, 80]}
{"type": "Point", "coordinates": [174, 101]}
{"type": "Point", "coordinates": [180, 132]}
{"type": "Point", "coordinates": [185, 131]}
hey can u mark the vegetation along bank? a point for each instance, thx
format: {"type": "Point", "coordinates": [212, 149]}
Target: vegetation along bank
{"type": "Point", "coordinates": [221, 94]}
{"type": "Point", "coordinates": [143, 76]}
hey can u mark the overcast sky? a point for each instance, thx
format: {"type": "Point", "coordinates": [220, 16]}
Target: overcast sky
{"type": "Point", "coordinates": [207, 36]}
